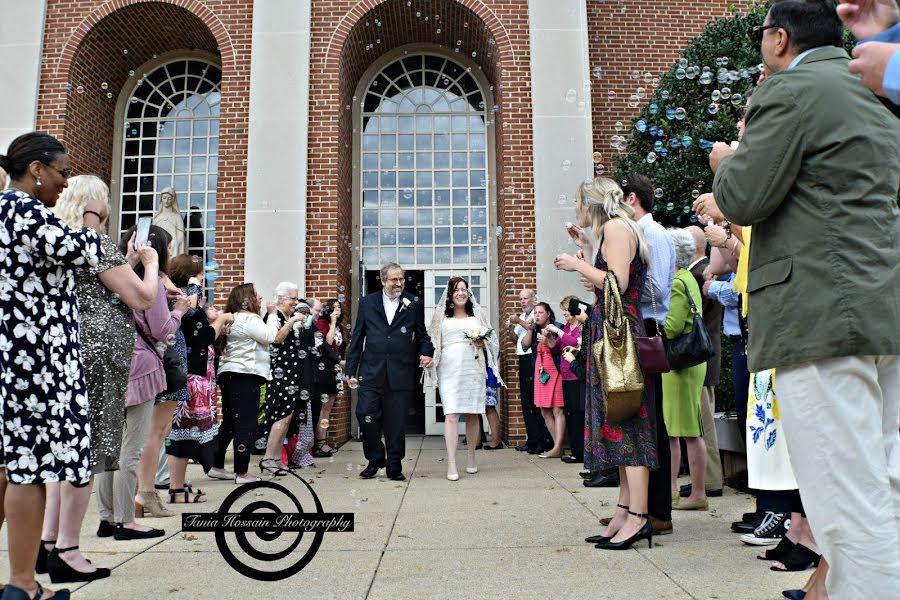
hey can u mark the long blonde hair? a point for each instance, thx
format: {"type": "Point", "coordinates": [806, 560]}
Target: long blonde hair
{"type": "Point", "coordinates": [604, 201]}
{"type": "Point", "coordinates": [82, 189]}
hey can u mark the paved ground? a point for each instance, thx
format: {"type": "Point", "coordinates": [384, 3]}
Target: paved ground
{"type": "Point", "coordinates": [514, 530]}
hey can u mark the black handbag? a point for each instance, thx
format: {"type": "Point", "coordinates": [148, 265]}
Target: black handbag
{"type": "Point", "coordinates": [176, 376]}
{"type": "Point", "coordinates": [693, 348]}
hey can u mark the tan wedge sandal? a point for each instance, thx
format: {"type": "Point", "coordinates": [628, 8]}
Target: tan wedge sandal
{"type": "Point", "coordinates": [148, 504]}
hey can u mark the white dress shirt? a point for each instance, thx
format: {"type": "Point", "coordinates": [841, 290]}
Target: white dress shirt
{"type": "Point", "coordinates": [390, 306]}
{"type": "Point", "coordinates": [520, 333]}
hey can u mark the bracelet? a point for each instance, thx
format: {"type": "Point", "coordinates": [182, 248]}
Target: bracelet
{"type": "Point", "coordinates": [95, 213]}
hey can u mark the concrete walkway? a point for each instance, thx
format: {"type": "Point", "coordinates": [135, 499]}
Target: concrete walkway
{"type": "Point", "coordinates": [514, 530]}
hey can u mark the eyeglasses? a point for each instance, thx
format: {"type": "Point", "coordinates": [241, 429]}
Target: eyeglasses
{"type": "Point", "coordinates": [756, 34]}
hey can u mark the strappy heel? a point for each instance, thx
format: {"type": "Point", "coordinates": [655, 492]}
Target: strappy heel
{"type": "Point", "coordinates": [598, 539]}
{"type": "Point", "coordinates": [60, 571]}
{"type": "Point", "coordinates": [188, 496]}
{"type": "Point", "coordinates": [276, 471]}
{"type": "Point", "coordinates": [644, 533]}
{"type": "Point", "coordinates": [318, 450]}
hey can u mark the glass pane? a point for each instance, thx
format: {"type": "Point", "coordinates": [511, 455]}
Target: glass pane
{"type": "Point", "coordinates": [479, 216]}
{"type": "Point", "coordinates": [442, 197]}
{"type": "Point", "coordinates": [442, 178]}
{"type": "Point", "coordinates": [460, 197]}
{"type": "Point", "coordinates": [423, 141]}
{"type": "Point", "coordinates": [458, 124]}
{"type": "Point", "coordinates": [423, 216]}
{"type": "Point", "coordinates": [460, 160]}
{"type": "Point", "coordinates": [460, 141]}
{"type": "Point", "coordinates": [423, 124]}
{"type": "Point", "coordinates": [441, 124]}
{"type": "Point", "coordinates": [406, 124]}
{"type": "Point", "coordinates": [370, 142]}
{"type": "Point", "coordinates": [423, 198]}
{"type": "Point", "coordinates": [370, 179]}
{"type": "Point", "coordinates": [370, 256]}
{"type": "Point", "coordinates": [370, 217]}
{"type": "Point", "coordinates": [477, 141]}
{"type": "Point", "coordinates": [389, 179]}
{"type": "Point", "coordinates": [476, 160]}
{"type": "Point", "coordinates": [442, 255]}
{"type": "Point", "coordinates": [441, 160]}
{"type": "Point", "coordinates": [460, 178]}
{"type": "Point", "coordinates": [406, 255]}
{"type": "Point", "coordinates": [441, 235]}
{"type": "Point", "coordinates": [479, 255]}
{"type": "Point", "coordinates": [460, 254]}
{"type": "Point", "coordinates": [389, 142]}
{"type": "Point", "coordinates": [406, 216]}
{"type": "Point", "coordinates": [406, 236]}
{"type": "Point", "coordinates": [479, 197]}
{"type": "Point", "coordinates": [479, 235]}
{"type": "Point", "coordinates": [388, 255]}
{"type": "Point", "coordinates": [388, 236]}
{"type": "Point", "coordinates": [423, 160]}
{"type": "Point", "coordinates": [386, 161]}
{"type": "Point", "coordinates": [405, 142]}
{"type": "Point", "coordinates": [388, 124]}
{"type": "Point", "coordinates": [424, 256]}
{"type": "Point", "coordinates": [388, 198]}
{"type": "Point", "coordinates": [423, 179]}
{"type": "Point", "coordinates": [441, 142]}
{"type": "Point", "coordinates": [406, 160]}
{"type": "Point", "coordinates": [370, 161]}
{"type": "Point", "coordinates": [460, 235]}
{"type": "Point", "coordinates": [460, 216]}
{"type": "Point", "coordinates": [387, 216]}
{"type": "Point", "coordinates": [406, 196]}
{"type": "Point", "coordinates": [424, 236]}
{"type": "Point", "coordinates": [442, 216]}
{"type": "Point", "coordinates": [370, 236]}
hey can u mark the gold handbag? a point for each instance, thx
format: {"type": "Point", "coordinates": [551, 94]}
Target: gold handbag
{"type": "Point", "coordinates": [616, 358]}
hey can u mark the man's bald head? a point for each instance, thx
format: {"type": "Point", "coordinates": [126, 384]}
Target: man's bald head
{"type": "Point", "coordinates": [526, 299]}
{"type": "Point", "coordinates": [699, 241]}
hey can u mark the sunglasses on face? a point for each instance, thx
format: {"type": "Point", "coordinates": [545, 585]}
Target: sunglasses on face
{"type": "Point", "coordinates": [756, 34]}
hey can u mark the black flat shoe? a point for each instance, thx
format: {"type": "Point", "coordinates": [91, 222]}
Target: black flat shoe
{"type": "Point", "coordinates": [685, 491]}
{"type": "Point", "coordinates": [11, 592]}
{"type": "Point", "coordinates": [497, 447]}
{"type": "Point", "coordinates": [571, 460]}
{"type": "Point", "coordinates": [371, 470]}
{"type": "Point", "coordinates": [105, 529]}
{"type": "Point", "coordinates": [522, 448]}
{"type": "Point", "coordinates": [40, 565]}
{"type": "Point", "coordinates": [396, 477]}
{"type": "Point", "coordinates": [794, 594]}
{"type": "Point", "coordinates": [60, 571]}
{"type": "Point", "coordinates": [587, 474]}
{"type": "Point", "coordinates": [644, 533]}
{"type": "Point", "coordinates": [123, 534]}
{"type": "Point", "coordinates": [534, 451]}
{"type": "Point", "coordinates": [603, 480]}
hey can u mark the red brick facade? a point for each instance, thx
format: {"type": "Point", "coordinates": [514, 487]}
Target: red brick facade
{"type": "Point", "coordinates": [85, 43]}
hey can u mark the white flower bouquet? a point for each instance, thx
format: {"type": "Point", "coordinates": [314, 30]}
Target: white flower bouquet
{"type": "Point", "coordinates": [480, 333]}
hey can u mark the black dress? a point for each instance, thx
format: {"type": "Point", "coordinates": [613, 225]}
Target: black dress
{"type": "Point", "coordinates": [291, 386]}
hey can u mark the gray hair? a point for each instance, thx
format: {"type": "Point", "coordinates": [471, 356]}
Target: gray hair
{"type": "Point", "coordinates": [389, 267]}
{"type": "Point", "coordinates": [283, 290]}
{"type": "Point", "coordinates": [685, 248]}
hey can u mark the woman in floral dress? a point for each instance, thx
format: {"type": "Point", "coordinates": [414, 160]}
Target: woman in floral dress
{"type": "Point", "coordinates": [629, 445]}
{"type": "Point", "coordinates": [44, 417]}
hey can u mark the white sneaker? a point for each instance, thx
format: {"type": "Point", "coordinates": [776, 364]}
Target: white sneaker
{"type": "Point", "coordinates": [770, 530]}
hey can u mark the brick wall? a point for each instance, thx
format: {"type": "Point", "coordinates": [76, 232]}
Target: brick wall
{"type": "Point", "coordinates": [88, 43]}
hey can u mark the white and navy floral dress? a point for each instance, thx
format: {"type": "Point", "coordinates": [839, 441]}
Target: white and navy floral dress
{"type": "Point", "coordinates": [44, 418]}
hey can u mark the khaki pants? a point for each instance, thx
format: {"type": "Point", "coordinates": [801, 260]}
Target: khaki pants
{"type": "Point", "coordinates": [713, 480]}
{"type": "Point", "coordinates": [116, 489]}
{"type": "Point", "coordinates": [840, 419]}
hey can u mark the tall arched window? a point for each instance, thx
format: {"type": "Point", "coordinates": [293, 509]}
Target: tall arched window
{"type": "Point", "coordinates": [171, 139]}
{"type": "Point", "coordinates": [424, 166]}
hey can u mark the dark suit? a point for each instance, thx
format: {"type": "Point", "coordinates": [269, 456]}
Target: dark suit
{"type": "Point", "coordinates": [385, 359]}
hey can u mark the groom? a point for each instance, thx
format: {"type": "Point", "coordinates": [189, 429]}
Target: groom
{"type": "Point", "coordinates": [389, 341]}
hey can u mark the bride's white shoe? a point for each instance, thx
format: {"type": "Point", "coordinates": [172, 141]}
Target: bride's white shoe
{"type": "Point", "coordinates": [471, 470]}
{"type": "Point", "coordinates": [452, 475]}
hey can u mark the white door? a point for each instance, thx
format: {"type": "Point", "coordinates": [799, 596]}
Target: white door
{"type": "Point", "coordinates": [435, 283]}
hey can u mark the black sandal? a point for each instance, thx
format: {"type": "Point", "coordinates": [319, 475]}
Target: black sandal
{"type": "Point", "coordinates": [782, 549]}
{"type": "Point", "coordinates": [11, 592]}
{"type": "Point", "coordinates": [318, 452]}
{"type": "Point", "coordinates": [799, 558]}
{"type": "Point", "coordinates": [186, 492]}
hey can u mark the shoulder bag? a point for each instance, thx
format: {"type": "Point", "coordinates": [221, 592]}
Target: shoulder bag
{"type": "Point", "coordinates": [176, 376]}
{"type": "Point", "coordinates": [652, 350]}
{"type": "Point", "coordinates": [693, 348]}
{"type": "Point", "coordinates": [616, 358]}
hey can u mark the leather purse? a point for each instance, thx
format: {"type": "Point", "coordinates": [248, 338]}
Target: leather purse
{"type": "Point", "coordinates": [692, 348]}
{"type": "Point", "coordinates": [176, 376]}
{"type": "Point", "coordinates": [616, 358]}
{"type": "Point", "coordinates": [652, 350]}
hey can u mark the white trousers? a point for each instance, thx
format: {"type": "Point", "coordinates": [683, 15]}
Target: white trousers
{"type": "Point", "coordinates": [841, 418]}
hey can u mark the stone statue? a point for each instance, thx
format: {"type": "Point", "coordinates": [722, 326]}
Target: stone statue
{"type": "Point", "coordinates": [169, 218]}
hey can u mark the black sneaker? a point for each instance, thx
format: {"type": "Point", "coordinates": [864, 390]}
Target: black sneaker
{"type": "Point", "coordinates": [770, 531]}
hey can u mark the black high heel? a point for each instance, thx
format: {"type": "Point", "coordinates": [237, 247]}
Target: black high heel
{"type": "Point", "coordinates": [11, 592]}
{"type": "Point", "coordinates": [318, 452]}
{"type": "Point", "coordinates": [599, 539]}
{"type": "Point", "coordinates": [60, 571]}
{"type": "Point", "coordinates": [40, 565]}
{"type": "Point", "coordinates": [278, 471]}
{"type": "Point", "coordinates": [644, 533]}
{"type": "Point", "coordinates": [798, 558]}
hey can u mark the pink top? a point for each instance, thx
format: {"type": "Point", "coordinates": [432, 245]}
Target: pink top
{"type": "Point", "coordinates": [571, 336]}
{"type": "Point", "coordinates": [147, 377]}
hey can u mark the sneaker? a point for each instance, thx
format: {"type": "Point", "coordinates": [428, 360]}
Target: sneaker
{"type": "Point", "coordinates": [770, 530]}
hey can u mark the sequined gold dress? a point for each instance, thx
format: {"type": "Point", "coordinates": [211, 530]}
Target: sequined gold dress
{"type": "Point", "coordinates": [107, 342]}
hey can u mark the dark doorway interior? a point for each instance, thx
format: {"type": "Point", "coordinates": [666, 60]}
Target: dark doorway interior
{"type": "Point", "coordinates": [415, 284]}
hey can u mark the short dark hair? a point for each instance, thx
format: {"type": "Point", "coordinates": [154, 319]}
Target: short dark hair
{"type": "Point", "coordinates": [183, 267]}
{"type": "Point", "coordinates": [640, 186]}
{"type": "Point", "coordinates": [27, 148]}
{"type": "Point", "coordinates": [159, 240]}
{"type": "Point", "coordinates": [448, 305]}
{"type": "Point", "coordinates": [809, 23]}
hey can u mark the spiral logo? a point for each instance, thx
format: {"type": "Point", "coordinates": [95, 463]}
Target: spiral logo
{"type": "Point", "coordinates": [258, 527]}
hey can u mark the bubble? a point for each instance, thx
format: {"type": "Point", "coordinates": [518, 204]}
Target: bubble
{"type": "Point", "coordinates": [245, 305]}
{"type": "Point", "coordinates": [618, 126]}
{"type": "Point", "coordinates": [651, 157]}
{"type": "Point", "coordinates": [691, 72]}
{"type": "Point", "coordinates": [657, 146]}
{"type": "Point", "coordinates": [301, 354]}
{"type": "Point", "coordinates": [713, 108]}
{"type": "Point", "coordinates": [640, 92]}
{"type": "Point", "coordinates": [670, 207]}
{"type": "Point", "coordinates": [599, 169]}
{"type": "Point", "coordinates": [561, 200]}
{"type": "Point", "coordinates": [654, 130]}
{"type": "Point", "coordinates": [633, 101]}
{"type": "Point", "coordinates": [341, 298]}
{"type": "Point", "coordinates": [104, 86]}
{"type": "Point", "coordinates": [171, 339]}
{"type": "Point", "coordinates": [291, 390]}
{"type": "Point", "coordinates": [680, 73]}
{"type": "Point", "coordinates": [664, 94]}
{"type": "Point", "coordinates": [736, 99]}
{"type": "Point", "coordinates": [109, 94]}
{"type": "Point", "coordinates": [353, 383]}
{"type": "Point", "coordinates": [705, 144]}
{"type": "Point", "coordinates": [566, 165]}
{"type": "Point", "coordinates": [611, 94]}
{"type": "Point", "coordinates": [571, 96]}
{"type": "Point", "coordinates": [726, 91]}
{"type": "Point", "coordinates": [706, 78]}
{"type": "Point", "coordinates": [687, 141]}
{"type": "Point", "coordinates": [125, 51]}
{"type": "Point", "coordinates": [496, 108]}
{"type": "Point", "coordinates": [680, 114]}
{"type": "Point", "coordinates": [114, 299]}
{"type": "Point", "coordinates": [658, 192]}
{"type": "Point", "coordinates": [597, 157]}
{"type": "Point", "coordinates": [80, 89]}
{"type": "Point", "coordinates": [211, 271]}
{"type": "Point", "coordinates": [597, 72]}
{"type": "Point", "coordinates": [278, 373]}
{"type": "Point", "coordinates": [160, 346]}
{"type": "Point", "coordinates": [653, 108]}
{"type": "Point", "coordinates": [499, 230]}
{"type": "Point", "coordinates": [321, 367]}
{"type": "Point", "coordinates": [683, 63]}
{"type": "Point", "coordinates": [304, 395]}
{"type": "Point", "coordinates": [675, 143]}
{"type": "Point", "coordinates": [670, 113]}
{"type": "Point", "coordinates": [648, 77]}
{"type": "Point", "coordinates": [641, 125]}
{"type": "Point", "coordinates": [716, 95]}
{"type": "Point", "coordinates": [134, 100]}
{"type": "Point", "coordinates": [686, 209]}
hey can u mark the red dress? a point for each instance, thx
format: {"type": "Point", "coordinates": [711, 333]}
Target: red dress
{"type": "Point", "coordinates": [547, 395]}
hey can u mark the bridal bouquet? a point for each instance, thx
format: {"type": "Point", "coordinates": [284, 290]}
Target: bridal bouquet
{"type": "Point", "coordinates": [478, 333]}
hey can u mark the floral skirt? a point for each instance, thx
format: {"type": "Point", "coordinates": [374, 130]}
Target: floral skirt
{"type": "Point", "coordinates": [768, 461]}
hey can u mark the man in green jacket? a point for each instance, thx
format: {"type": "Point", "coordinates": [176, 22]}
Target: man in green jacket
{"type": "Point", "coordinates": [817, 176]}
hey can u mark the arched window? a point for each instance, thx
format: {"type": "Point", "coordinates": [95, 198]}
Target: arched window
{"type": "Point", "coordinates": [171, 139]}
{"type": "Point", "coordinates": [424, 177]}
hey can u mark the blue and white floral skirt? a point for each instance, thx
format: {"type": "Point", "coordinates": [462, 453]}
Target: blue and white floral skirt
{"type": "Point", "coordinates": [768, 461]}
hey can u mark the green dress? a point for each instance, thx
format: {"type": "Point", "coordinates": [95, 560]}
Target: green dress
{"type": "Point", "coordinates": [682, 389]}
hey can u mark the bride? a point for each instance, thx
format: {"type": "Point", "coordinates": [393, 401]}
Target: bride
{"type": "Point", "coordinates": [460, 365]}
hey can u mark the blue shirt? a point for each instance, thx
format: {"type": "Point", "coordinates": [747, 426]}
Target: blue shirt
{"type": "Point", "coordinates": [891, 82]}
{"type": "Point", "coordinates": [721, 292]}
{"type": "Point", "coordinates": [661, 269]}
{"type": "Point", "coordinates": [803, 54]}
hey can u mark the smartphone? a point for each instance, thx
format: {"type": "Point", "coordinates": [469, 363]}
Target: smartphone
{"type": "Point", "coordinates": [576, 307]}
{"type": "Point", "coordinates": [142, 231]}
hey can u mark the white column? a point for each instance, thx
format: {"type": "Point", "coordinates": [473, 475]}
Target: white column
{"type": "Point", "coordinates": [561, 113]}
{"type": "Point", "coordinates": [277, 145]}
{"type": "Point", "coordinates": [21, 41]}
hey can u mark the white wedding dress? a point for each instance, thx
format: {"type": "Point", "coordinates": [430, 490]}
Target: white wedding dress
{"type": "Point", "coordinates": [461, 376]}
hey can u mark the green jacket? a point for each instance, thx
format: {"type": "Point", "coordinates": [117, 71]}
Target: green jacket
{"type": "Point", "coordinates": [817, 176]}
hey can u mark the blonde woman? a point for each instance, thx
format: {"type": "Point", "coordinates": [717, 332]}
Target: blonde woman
{"type": "Point", "coordinates": [629, 445]}
{"type": "Point", "coordinates": [106, 295]}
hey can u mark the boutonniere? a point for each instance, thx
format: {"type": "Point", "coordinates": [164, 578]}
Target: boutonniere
{"type": "Point", "coordinates": [404, 304]}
